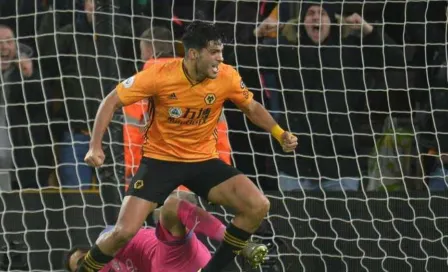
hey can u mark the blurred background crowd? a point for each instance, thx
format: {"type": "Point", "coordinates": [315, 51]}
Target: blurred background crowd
{"type": "Point", "coordinates": [363, 85]}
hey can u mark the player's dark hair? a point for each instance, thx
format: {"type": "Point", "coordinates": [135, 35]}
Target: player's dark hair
{"type": "Point", "coordinates": [198, 35]}
{"type": "Point", "coordinates": [68, 255]}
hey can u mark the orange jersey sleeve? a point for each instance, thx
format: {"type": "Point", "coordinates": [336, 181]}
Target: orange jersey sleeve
{"type": "Point", "coordinates": [138, 87]}
{"type": "Point", "coordinates": [238, 93]}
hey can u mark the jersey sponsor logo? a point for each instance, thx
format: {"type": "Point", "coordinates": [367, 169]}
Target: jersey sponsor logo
{"type": "Point", "coordinates": [129, 82]}
{"type": "Point", "coordinates": [210, 98]}
{"type": "Point", "coordinates": [191, 116]}
{"type": "Point", "coordinates": [175, 112]}
{"type": "Point", "coordinates": [138, 184]}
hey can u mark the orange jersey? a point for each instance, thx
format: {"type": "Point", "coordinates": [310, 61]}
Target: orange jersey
{"type": "Point", "coordinates": [185, 115]}
{"type": "Point", "coordinates": [135, 119]}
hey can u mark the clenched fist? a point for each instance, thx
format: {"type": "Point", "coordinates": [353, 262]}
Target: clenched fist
{"type": "Point", "coordinates": [267, 28]}
{"type": "Point", "coordinates": [26, 66]}
{"type": "Point", "coordinates": [354, 23]}
{"type": "Point", "coordinates": [95, 157]}
{"type": "Point", "coordinates": [289, 142]}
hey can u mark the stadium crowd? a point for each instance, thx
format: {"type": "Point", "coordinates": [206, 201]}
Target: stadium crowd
{"type": "Point", "coordinates": [362, 85]}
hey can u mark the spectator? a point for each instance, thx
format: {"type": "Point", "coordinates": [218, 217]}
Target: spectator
{"type": "Point", "coordinates": [79, 87]}
{"type": "Point", "coordinates": [429, 73]}
{"type": "Point", "coordinates": [433, 127]}
{"type": "Point", "coordinates": [156, 42]}
{"type": "Point", "coordinates": [323, 87]}
{"type": "Point", "coordinates": [23, 118]}
{"type": "Point", "coordinates": [77, 68]}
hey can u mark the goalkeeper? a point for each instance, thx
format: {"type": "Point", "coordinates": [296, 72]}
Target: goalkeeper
{"type": "Point", "coordinates": [172, 245]}
{"type": "Point", "coordinates": [188, 97]}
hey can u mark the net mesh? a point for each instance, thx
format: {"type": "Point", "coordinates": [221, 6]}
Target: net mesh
{"type": "Point", "coordinates": [362, 84]}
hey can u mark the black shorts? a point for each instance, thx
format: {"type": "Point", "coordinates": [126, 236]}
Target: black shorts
{"type": "Point", "coordinates": [155, 179]}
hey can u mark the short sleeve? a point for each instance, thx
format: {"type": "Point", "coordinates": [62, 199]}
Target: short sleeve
{"type": "Point", "coordinates": [139, 86]}
{"type": "Point", "coordinates": [239, 94]}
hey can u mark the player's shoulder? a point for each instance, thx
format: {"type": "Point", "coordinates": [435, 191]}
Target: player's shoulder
{"type": "Point", "coordinates": [227, 77]}
{"type": "Point", "coordinates": [227, 71]}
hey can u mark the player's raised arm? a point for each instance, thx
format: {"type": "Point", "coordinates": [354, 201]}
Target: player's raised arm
{"type": "Point", "coordinates": [133, 89]}
{"type": "Point", "coordinates": [258, 115]}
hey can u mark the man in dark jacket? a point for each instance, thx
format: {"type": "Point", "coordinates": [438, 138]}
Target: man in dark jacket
{"type": "Point", "coordinates": [74, 66]}
{"type": "Point", "coordinates": [323, 84]}
{"type": "Point", "coordinates": [26, 159]}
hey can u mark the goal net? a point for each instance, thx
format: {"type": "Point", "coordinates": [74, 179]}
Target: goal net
{"type": "Point", "coordinates": [362, 85]}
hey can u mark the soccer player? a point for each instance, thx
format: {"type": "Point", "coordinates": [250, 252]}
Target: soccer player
{"type": "Point", "coordinates": [171, 246]}
{"type": "Point", "coordinates": [188, 96]}
{"type": "Point", "coordinates": [155, 47]}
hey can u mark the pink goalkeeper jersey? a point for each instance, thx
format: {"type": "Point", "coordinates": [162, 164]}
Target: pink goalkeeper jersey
{"type": "Point", "coordinates": [156, 250]}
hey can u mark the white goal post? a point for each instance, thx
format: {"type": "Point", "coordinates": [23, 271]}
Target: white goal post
{"type": "Point", "coordinates": [361, 83]}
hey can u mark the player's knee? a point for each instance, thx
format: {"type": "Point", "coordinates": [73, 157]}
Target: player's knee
{"type": "Point", "coordinates": [170, 204]}
{"type": "Point", "coordinates": [264, 205]}
{"type": "Point", "coordinates": [122, 235]}
{"type": "Point", "coordinates": [260, 207]}
{"type": "Point", "coordinates": [169, 208]}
